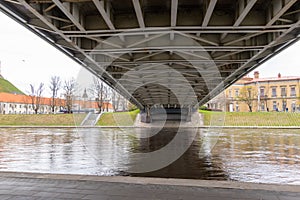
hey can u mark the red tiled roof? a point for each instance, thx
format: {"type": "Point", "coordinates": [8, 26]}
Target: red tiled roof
{"type": "Point", "coordinates": [14, 98]}
{"type": "Point", "coordinates": [92, 104]}
{"type": "Point", "coordinates": [25, 99]}
{"type": "Point", "coordinates": [283, 78]}
{"type": "Point", "coordinates": [20, 98]}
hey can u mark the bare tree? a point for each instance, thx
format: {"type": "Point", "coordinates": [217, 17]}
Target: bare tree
{"type": "Point", "coordinates": [123, 102]}
{"type": "Point", "coordinates": [55, 85]}
{"type": "Point", "coordinates": [115, 97]}
{"type": "Point", "coordinates": [131, 106]}
{"type": "Point", "coordinates": [69, 89]}
{"type": "Point", "coordinates": [247, 95]}
{"type": "Point", "coordinates": [36, 97]}
{"type": "Point", "coordinates": [298, 101]}
{"type": "Point", "coordinates": [100, 91]}
{"type": "Point", "coordinates": [27, 100]}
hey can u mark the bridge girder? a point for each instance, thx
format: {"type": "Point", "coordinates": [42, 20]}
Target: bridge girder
{"type": "Point", "coordinates": [173, 52]}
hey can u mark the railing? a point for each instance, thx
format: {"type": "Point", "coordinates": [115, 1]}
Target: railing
{"type": "Point", "coordinates": [90, 120]}
{"type": "Point", "coordinates": [85, 119]}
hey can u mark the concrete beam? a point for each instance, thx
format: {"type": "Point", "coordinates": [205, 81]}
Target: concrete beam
{"type": "Point", "coordinates": [243, 13]}
{"type": "Point", "coordinates": [174, 7]}
{"type": "Point", "coordinates": [209, 11]}
{"type": "Point", "coordinates": [103, 13]}
{"type": "Point", "coordinates": [49, 8]}
{"type": "Point", "coordinates": [145, 40]}
{"type": "Point", "coordinates": [64, 7]}
{"type": "Point", "coordinates": [138, 12]}
{"type": "Point", "coordinates": [278, 14]}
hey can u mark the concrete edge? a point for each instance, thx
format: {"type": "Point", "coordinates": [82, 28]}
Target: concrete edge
{"type": "Point", "coordinates": [204, 127]}
{"type": "Point", "coordinates": [157, 181]}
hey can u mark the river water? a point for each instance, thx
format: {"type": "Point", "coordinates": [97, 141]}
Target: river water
{"type": "Point", "coordinates": [246, 155]}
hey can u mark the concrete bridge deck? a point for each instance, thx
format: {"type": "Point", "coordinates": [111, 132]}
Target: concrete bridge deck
{"type": "Point", "coordinates": [50, 186]}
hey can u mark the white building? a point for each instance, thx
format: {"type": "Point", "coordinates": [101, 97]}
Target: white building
{"type": "Point", "coordinates": [21, 104]}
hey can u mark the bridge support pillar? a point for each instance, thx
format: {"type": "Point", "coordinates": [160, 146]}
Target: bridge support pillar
{"type": "Point", "coordinates": [146, 115]}
{"type": "Point", "coordinates": [189, 114]}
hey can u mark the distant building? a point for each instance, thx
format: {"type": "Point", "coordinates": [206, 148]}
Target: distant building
{"type": "Point", "coordinates": [281, 93]}
{"type": "Point", "coordinates": [21, 104]}
{"type": "Point", "coordinates": [14, 101]}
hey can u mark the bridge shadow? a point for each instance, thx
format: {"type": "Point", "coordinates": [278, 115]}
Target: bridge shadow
{"type": "Point", "coordinates": [193, 164]}
{"type": "Point", "coordinates": [174, 120]}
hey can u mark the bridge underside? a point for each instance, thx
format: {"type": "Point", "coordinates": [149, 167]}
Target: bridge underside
{"type": "Point", "coordinates": [172, 53]}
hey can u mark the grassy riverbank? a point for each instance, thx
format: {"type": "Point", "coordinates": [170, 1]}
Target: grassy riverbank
{"type": "Point", "coordinates": [40, 120]}
{"type": "Point", "coordinates": [251, 118]}
{"type": "Point", "coordinates": [128, 118]}
{"type": "Point", "coordinates": [118, 118]}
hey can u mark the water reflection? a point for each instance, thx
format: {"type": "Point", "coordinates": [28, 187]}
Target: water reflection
{"type": "Point", "coordinates": [268, 156]}
{"type": "Point", "coordinates": [195, 163]}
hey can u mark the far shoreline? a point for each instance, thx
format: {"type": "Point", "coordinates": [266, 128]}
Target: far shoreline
{"type": "Point", "coordinates": [114, 127]}
{"type": "Point", "coordinates": [210, 120]}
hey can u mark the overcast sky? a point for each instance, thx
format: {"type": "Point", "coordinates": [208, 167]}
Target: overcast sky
{"type": "Point", "coordinates": [27, 59]}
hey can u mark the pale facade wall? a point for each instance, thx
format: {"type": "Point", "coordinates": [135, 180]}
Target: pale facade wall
{"type": "Point", "coordinates": [271, 95]}
{"type": "Point", "coordinates": [15, 108]}
{"type": "Point", "coordinates": [280, 95]}
{"type": "Point", "coordinates": [21, 108]}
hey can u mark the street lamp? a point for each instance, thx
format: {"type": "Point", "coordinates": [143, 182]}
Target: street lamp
{"type": "Point", "coordinates": [258, 96]}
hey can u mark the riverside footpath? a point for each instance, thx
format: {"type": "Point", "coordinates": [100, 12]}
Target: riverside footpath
{"type": "Point", "coordinates": [14, 185]}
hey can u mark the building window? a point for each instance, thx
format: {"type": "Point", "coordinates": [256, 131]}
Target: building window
{"type": "Point", "coordinates": [237, 107]}
{"type": "Point", "coordinates": [262, 107]}
{"type": "Point", "coordinates": [293, 91]}
{"type": "Point", "coordinates": [283, 92]}
{"type": "Point", "coordinates": [249, 92]}
{"type": "Point", "coordinates": [293, 106]}
{"type": "Point", "coordinates": [274, 92]}
{"type": "Point", "coordinates": [237, 92]}
{"type": "Point", "coordinates": [231, 108]}
{"type": "Point", "coordinates": [230, 95]}
{"type": "Point", "coordinates": [262, 92]}
{"type": "Point", "coordinates": [284, 108]}
{"type": "Point", "coordinates": [274, 105]}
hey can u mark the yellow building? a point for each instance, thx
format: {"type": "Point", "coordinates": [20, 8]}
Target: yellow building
{"type": "Point", "coordinates": [281, 93]}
